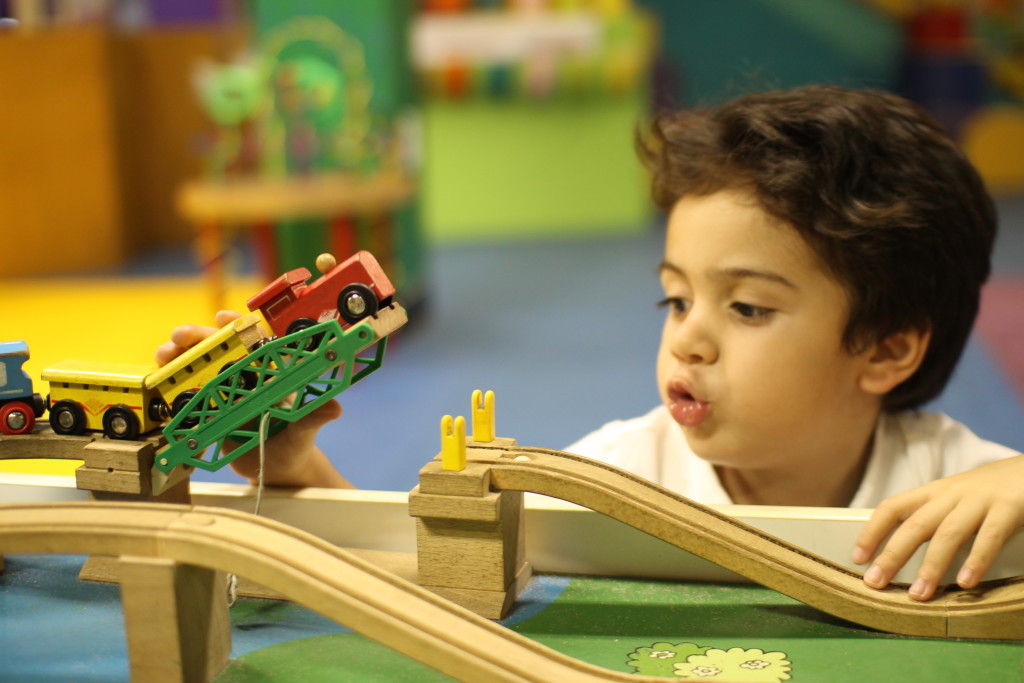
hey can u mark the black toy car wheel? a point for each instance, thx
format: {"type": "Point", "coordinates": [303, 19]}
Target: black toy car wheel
{"type": "Point", "coordinates": [356, 302]}
{"type": "Point", "coordinates": [121, 423]}
{"type": "Point", "coordinates": [67, 417]}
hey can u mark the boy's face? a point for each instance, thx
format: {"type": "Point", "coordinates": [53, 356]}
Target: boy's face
{"type": "Point", "coordinates": [752, 364]}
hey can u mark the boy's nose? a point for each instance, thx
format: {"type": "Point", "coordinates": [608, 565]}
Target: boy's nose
{"type": "Point", "coordinates": [693, 341]}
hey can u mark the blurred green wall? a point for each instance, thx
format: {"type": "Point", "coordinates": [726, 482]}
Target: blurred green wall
{"type": "Point", "coordinates": [715, 50]}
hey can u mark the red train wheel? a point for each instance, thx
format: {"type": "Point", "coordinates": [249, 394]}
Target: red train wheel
{"type": "Point", "coordinates": [16, 418]}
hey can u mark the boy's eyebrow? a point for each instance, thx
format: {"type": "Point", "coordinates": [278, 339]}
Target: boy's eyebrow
{"type": "Point", "coordinates": [665, 265]}
{"type": "Point", "coordinates": [734, 274]}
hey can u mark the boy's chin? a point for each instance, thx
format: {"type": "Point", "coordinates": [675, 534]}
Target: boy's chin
{"type": "Point", "coordinates": [714, 452]}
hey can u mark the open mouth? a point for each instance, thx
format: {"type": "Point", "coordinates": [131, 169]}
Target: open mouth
{"type": "Point", "coordinates": [686, 409]}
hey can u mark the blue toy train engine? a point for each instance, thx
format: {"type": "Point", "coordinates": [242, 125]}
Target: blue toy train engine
{"type": "Point", "coordinates": [19, 406]}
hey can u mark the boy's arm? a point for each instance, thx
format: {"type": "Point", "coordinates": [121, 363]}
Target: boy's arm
{"type": "Point", "coordinates": [291, 456]}
{"type": "Point", "coordinates": [987, 502]}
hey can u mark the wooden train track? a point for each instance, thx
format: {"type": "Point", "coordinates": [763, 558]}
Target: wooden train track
{"type": "Point", "coordinates": [994, 610]}
{"type": "Point", "coordinates": [302, 568]}
{"type": "Point", "coordinates": [453, 640]}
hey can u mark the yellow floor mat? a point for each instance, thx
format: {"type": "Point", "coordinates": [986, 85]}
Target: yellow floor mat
{"type": "Point", "coordinates": [107, 319]}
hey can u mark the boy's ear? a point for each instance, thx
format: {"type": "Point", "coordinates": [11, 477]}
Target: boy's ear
{"type": "Point", "coordinates": [892, 360]}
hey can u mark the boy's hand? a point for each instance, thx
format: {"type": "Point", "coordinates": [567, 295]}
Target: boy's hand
{"type": "Point", "coordinates": [987, 501]}
{"type": "Point", "coordinates": [291, 456]}
{"type": "Point", "coordinates": [185, 337]}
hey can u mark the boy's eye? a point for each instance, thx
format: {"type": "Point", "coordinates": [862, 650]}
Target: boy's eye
{"type": "Point", "coordinates": [751, 312]}
{"type": "Point", "coordinates": [677, 304]}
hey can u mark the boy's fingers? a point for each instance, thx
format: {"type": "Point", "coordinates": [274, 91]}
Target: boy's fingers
{"type": "Point", "coordinates": [183, 338]}
{"type": "Point", "coordinates": [998, 526]}
{"type": "Point", "coordinates": [187, 336]}
{"type": "Point", "coordinates": [886, 517]}
{"type": "Point", "coordinates": [328, 411]}
{"type": "Point", "coordinates": [876, 529]}
{"type": "Point", "coordinates": [321, 416]}
{"type": "Point", "coordinates": [914, 531]}
{"type": "Point", "coordinates": [953, 532]}
{"type": "Point", "coordinates": [223, 317]}
{"type": "Point", "coordinates": [167, 352]}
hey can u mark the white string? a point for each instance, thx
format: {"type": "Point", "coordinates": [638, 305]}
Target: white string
{"type": "Point", "coordinates": [232, 589]}
{"type": "Point", "coordinates": [233, 578]}
{"type": "Point", "coordinates": [259, 480]}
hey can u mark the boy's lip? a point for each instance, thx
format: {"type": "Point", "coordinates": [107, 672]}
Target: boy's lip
{"type": "Point", "coordinates": [687, 408]}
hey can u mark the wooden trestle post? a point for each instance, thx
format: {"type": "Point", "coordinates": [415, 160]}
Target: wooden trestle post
{"type": "Point", "coordinates": [176, 618]}
{"type": "Point", "coordinates": [469, 539]}
{"type": "Point", "coordinates": [122, 471]}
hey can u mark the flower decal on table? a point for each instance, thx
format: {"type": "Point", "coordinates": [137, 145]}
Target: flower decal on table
{"type": "Point", "coordinates": [703, 671]}
{"type": "Point", "coordinates": [702, 662]}
{"type": "Point", "coordinates": [660, 658]}
{"type": "Point", "coordinates": [755, 664]}
{"type": "Point", "coordinates": [736, 664]}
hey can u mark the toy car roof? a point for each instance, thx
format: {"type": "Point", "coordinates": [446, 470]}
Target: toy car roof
{"type": "Point", "coordinates": [101, 373]}
{"type": "Point", "coordinates": [14, 348]}
{"type": "Point", "coordinates": [289, 279]}
{"type": "Point", "coordinates": [369, 263]}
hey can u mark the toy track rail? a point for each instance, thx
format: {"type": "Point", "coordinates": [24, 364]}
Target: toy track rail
{"type": "Point", "coordinates": [306, 570]}
{"type": "Point", "coordinates": [994, 610]}
{"type": "Point", "coordinates": [287, 378]}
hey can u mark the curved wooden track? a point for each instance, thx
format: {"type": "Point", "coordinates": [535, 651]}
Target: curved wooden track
{"type": "Point", "coordinates": [307, 570]}
{"type": "Point", "coordinates": [994, 610]}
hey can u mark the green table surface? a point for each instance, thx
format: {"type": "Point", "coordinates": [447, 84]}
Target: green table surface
{"type": "Point", "coordinates": [58, 628]}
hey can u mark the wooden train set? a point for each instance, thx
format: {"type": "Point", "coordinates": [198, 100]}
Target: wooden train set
{"type": "Point", "coordinates": [328, 334]}
{"type": "Point", "coordinates": [468, 510]}
{"type": "Point", "coordinates": [470, 558]}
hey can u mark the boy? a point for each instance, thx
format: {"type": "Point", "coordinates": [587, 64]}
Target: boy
{"type": "Point", "coordinates": [822, 271]}
{"type": "Point", "coordinates": [823, 261]}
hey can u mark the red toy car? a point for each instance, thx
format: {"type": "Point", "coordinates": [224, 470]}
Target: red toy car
{"type": "Point", "coordinates": [351, 291]}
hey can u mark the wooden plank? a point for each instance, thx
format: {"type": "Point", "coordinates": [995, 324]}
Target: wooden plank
{"type": "Point", "coordinates": [480, 509]}
{"type": "Point", "coordinates": [559, 538]}
{"type": "Point", "coordinates": [488, 604]}
{"type": "Point", "coordinates": [44, 443]}
{"type": "Point", "coordinates": [93, 447]}
{"type": "Point", "coordinates": [134, 456]}
{"type": "Point", "coordinates": [473, 481]}
{"type": "Point", "coordinates": [112, 481]}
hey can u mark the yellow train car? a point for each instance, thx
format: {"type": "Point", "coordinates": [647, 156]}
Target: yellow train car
{"type": "Point", "coordinates": [108, 397]}
{"type": "Point", "coordinates": [178, 381]}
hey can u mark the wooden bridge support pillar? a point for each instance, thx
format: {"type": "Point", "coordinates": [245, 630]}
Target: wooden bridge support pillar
{"type": "Point", "coordinates": [121, 471]}
{"type": "Point", "coordinates": [176, 620]}
{"type": "Point", "coordinates": [469, 538]}
{"type": "Point", "coordinates": [111, 471]}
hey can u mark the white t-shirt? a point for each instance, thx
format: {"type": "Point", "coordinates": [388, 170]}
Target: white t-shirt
{"type": "Point", "coordinates": [910, 450]}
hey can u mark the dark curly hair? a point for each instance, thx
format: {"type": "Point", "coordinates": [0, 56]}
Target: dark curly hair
{"type": "Point", "coordinates": [887, 200]}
